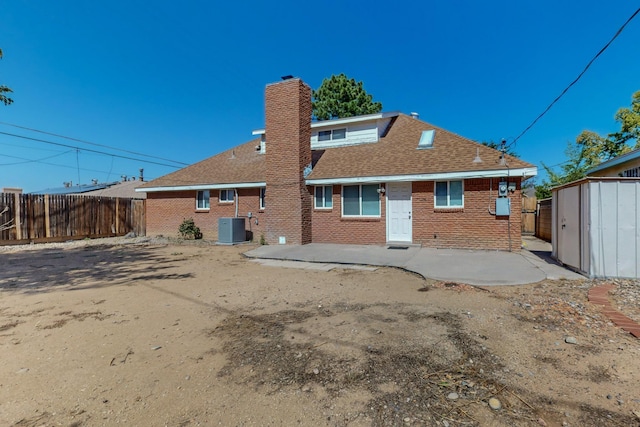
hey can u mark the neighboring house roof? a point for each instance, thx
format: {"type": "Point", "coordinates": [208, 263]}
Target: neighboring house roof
{"type": "Point", "coordinates": [78, 189]}
{"type": "Point", "coordinates": [395, 156]}
{"type": "Point", "coordinates": [616, 163]}
{"type": "Point", "coordinates": [121, 189]}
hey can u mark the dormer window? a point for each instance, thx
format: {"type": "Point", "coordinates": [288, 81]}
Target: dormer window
{"type": "Point", "coordinates": [332, 135]}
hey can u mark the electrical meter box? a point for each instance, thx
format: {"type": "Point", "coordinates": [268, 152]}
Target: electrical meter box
{"type": "Point", "coordinates": [503, 206]}
{"type": "Point", "coordinates": [503, 188]}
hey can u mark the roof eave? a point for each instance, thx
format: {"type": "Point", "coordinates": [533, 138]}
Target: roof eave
{"type": "Point", "coordinates": [498, 173]}
{"type": "Point", "coordinates": [198, 187]}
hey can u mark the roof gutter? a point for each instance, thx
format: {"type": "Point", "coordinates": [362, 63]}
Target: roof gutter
{"type": "Point", "coordinates": [229, 186]}
{"type": "Point", "coordinates": [523, 172]}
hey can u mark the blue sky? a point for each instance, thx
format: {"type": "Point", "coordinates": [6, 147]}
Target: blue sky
{"type": "Point", "coordinates": [183, 81]}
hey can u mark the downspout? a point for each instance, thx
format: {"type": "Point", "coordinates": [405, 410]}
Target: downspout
{"type": "Point", "coordinates": [504, 158]}
{"type": "Point", "coordinates": [509, 217]}
{"type": "Point", "coordinates": [235, 191]}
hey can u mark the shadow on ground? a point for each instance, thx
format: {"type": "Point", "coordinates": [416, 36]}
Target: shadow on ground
{"type": "Point", "coordinates": [48, 270]}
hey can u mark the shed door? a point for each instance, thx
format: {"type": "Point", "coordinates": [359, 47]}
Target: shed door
{"type": "Point", "coordinates": [399, 212]}
{"type": "Point", "coordinates": [569, 226]}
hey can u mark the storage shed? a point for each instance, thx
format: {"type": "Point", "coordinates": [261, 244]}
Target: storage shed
{"type": "Point", "coordinates": [596, 226]}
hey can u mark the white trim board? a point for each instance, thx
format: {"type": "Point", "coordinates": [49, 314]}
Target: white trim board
{"type": "Point", "coordinates": [343, 121]}
{"type": "Point", "coordinates": [500, 173]}
{"type": "Point", "coordinates": [204, 187]}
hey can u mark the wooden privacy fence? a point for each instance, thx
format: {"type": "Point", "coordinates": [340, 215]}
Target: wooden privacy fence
{"type": "Point", "coordinates": [543, 220]}
{"type": "Point", "coordinates": [49, 218]}
{"type": "Point", "coordinates": [529, 206]}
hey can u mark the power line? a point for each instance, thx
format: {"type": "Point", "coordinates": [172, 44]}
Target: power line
{"type": "Point", "coordinates": [579, 76]}
{"type": "Point", "coordinates": [87, 150]}
{"type": "Point", "coordinates": [92, 143]}
{"type": "Point", "coordinates": [30, 161]}
{"type": "Point", "coordinates": [46, 163]}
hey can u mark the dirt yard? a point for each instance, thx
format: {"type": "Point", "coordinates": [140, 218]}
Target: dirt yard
{"type": "Point", "coordinates": [151, 334]}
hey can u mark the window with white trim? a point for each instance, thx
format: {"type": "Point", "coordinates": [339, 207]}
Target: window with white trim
{"type": "Point", "coordinates": [324, 197]}
{"type": "Point", "coordinates": [361, 200]}
{"type": "Point", "coordinates": [263, 192]}
{"type": "Point", "coordinates": [331, 135]}
{"type": "Point", "coordinates": [226, 196]}
{"type": "Point", "coordinates": [449, 194]}
{"type": "Point", "coordinates": [632, 173]}
{"type": "Point", "coordinates": [202, 199]}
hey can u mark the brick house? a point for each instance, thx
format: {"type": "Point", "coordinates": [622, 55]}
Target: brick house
{"type": "Point", "coordinates": [374, 179]}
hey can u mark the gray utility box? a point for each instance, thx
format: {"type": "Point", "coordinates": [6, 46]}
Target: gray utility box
{"type": "Point", "coordinates": [231, 230]}
{"type": "Point", "coordinates": [503, 206]}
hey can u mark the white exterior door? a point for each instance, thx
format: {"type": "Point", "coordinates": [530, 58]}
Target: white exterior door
{"type": "Point", "coordinates": [399, 212]}
{"type": "Point", "coordinates": [569, 226]}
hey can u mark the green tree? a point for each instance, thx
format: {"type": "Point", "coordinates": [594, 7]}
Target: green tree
{"type": "Point", "coordinates": [580, 160]}
{"type": "Point", "coordinates": [498, 146]}
{"type": "Point", "coordinates": [590, 149]}
{"type": "Point", "coordinates": [4, 90]}
{"type": "Point", "coordinates": [339, 96]}
{"type": "Point", "coordinates": [629, 119]}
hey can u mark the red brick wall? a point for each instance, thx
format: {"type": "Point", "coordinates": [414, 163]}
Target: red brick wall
{"type": "Point", "coordinates": [167, 210]}
{"type": "Point", "coordinates": [471, 227]}
{"type": "Point", "coordinates": [330, 227]}
{"type": "Point", "coordinates": [288, 152]}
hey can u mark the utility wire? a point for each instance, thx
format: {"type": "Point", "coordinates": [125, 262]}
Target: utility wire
{"type": "Point", "coordinates": [91, 143]}
{"type": "Point", "coordinates": [579, 76]}
{"type": "Point", "coordinates": [30, 161]}
{"type": "Point", "coordinates": [46, 163]}
{"type": "Point", "coordinates": [88, 150]}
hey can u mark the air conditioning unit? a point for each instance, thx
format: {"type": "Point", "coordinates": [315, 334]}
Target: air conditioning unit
{"type": "Point", "coordinates": [231, 230]}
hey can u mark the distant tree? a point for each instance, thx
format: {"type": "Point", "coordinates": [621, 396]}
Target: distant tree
{"type": "Point", "coordinates": [590, 149]}
{"type": "Point", "coordinates": [498, 146]}
{"type": "Point", "coordinates": [629, 119]}
{"type": "Point", "coordinates": [4, 90]}
{"type": "Point", "coordinates": [339, 96]}
{"type": "Point", "coordinates": [527, 183]}
{"type": "Point", "coordinates": [580, 160]}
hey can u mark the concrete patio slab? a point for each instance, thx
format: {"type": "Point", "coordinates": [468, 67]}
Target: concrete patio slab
{"type": "Point", "coordinates": [474, 267]}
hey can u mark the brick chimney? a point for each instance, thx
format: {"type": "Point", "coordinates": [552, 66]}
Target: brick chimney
{"type": "Point", "coordinates": [288, 152]}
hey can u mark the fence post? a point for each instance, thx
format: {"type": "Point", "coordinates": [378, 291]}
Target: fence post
{"type": "Point", "coordinates": [18, 214]}
{"type": "Point", "coordinates": [47, 220]}
{"type": "Point", "coordinates": [117, 216]}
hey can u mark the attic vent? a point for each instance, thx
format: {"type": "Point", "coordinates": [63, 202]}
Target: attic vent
{"type": "Point", "coordinates": [426, 139]}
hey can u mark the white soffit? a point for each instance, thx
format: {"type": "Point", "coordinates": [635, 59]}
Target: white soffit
{"type": "Point", "coordinates": [204, 187]}
{"type": "Point", "coordinates": [500, 173]}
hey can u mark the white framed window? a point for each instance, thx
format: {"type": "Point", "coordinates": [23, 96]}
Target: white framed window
{"type": "Point", "coordinates": [226, 196]}
{"type": "Point", "coordinates": [323, 197]}
{"type": "Point", "coordinates": [202, 199]}
{"type": "Point", "coordinates": [263, 192]}
{"type": "Point", "coordinates": [449, 194]}
{"type": "Point", "coordinates": [361, 200]}
{"type": "Point", "coordinates": [331, 135]}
